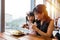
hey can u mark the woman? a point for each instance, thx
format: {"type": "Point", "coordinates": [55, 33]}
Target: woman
{"type": "Point", "coordinates": [30, 19]}
{"type": "Point", "coordinates": [44, 25]}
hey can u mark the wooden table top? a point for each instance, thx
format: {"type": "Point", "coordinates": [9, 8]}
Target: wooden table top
{"type": "Point", "coordinates": [25, 37]}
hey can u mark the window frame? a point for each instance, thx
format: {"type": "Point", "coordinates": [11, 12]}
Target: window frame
{"type": "Point", "coordinates": [2, 15]}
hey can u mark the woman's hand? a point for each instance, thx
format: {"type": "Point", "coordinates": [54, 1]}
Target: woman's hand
{"type": "Point", "coordinates": [34, 27]}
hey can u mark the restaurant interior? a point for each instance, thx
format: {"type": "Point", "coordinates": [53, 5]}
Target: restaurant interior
{"type": "Point", "coordinates": [13, 15]}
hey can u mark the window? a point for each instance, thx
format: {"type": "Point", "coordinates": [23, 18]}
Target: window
{"type": "Point", "coordinates": [15, 12]}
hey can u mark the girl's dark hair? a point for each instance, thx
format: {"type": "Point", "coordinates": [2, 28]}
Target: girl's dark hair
{"type": "Point", "coordinates": [30, 14]}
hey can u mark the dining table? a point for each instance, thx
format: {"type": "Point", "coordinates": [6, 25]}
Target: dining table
{"type": "Point", "coordinates": [9, 35]}
{"type": "Point", "coordinates": [4, 36]}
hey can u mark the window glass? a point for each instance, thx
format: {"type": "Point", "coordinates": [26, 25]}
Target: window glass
{"type": "Point", "coordinates": [15, 12]}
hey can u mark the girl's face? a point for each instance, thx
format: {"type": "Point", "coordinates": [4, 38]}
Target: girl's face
{"type": "Point", "coordinates": [30, 18]}
{"type": "Point", "coordinates": [38, 16]}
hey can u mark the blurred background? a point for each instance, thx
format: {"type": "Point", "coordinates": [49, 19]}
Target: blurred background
{"type": "Point", "coordinates": [16, 10]}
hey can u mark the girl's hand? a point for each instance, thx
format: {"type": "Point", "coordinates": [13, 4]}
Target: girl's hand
{"type": "Point", "coordinates": [25, 26]}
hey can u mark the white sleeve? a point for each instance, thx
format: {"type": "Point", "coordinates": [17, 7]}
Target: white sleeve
{"type": "Point", "coordinates": [58, 23]}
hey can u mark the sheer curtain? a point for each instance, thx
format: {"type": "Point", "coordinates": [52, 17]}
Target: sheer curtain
{"type": "Point", "coordinates": [39, 2]}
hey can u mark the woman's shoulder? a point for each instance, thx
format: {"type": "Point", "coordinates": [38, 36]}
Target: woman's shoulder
{"type": "Point", "coordinates": [51, 21]}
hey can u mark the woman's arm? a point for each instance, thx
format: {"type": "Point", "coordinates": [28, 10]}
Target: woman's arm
{"type": "Point", "coordinates": [49, 31]}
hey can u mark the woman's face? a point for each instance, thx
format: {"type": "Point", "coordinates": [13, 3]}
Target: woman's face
{"type": "Point", "coordinates": [38, 16]}
{"type": "Point", "coordinates": [30, 18]}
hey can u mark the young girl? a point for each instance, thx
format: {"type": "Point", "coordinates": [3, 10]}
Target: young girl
{"type": "Point", "coordinates": [30, 19]}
